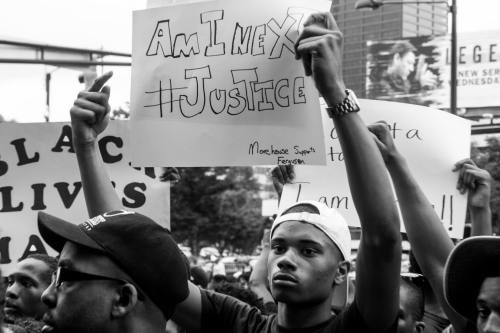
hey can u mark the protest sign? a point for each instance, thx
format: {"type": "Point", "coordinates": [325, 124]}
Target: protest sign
{"type": "Point", "coordinates": [217, 83]}
{"type": "Point", "coordinates": [39, 172]}
{"type": "Point", "coordinates": [430, 140]}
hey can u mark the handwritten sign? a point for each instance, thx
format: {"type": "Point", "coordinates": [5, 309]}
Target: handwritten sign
{"type": "Point", "coordinates": [431, 141]}
{"type": "Point", "coordinates": [39, 172]}
{"type": "Point", "coordinates": [217, 83]}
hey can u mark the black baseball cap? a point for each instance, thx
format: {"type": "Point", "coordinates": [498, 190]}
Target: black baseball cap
{"type": "Point", "coordinates": [141, 247]}
{"type": "Point", "coordinates": [470, 262]}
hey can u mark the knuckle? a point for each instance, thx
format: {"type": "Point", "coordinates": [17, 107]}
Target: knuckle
{"type": "Point", "coordinates": [339, 35]}
{"type": "Point", "coordinates": [74, 111]}
{"type": "Point", "coordinates": [102, 99]}
{"type": "Point", "coordinates": [330, 39]}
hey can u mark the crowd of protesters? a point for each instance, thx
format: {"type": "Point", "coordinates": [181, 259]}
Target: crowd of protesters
{"type": "Point", "coordinates": [119, 271]}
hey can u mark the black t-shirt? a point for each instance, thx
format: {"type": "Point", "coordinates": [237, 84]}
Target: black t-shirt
{"type": "Point", "coordinates": [225, 314]}
{"type": "Point", "coordinates": [470, 327]}
{"type": "Point", "coordinates": [434, 323]}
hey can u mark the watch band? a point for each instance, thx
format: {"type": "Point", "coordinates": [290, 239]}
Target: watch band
{"type": "Point", "coordinates": [348, 105]}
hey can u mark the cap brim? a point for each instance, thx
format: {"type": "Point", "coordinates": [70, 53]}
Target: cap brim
{"type": "Point", "coordinates": [470, 262]}
{"type": "Point", "coordinates": [56, 232]}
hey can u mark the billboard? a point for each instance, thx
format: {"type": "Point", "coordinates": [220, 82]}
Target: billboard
{"type": "Point", "coordinates": [417, 70]}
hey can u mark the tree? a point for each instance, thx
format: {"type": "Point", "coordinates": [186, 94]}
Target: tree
{"type": "Point", "coordinates": [488, 157]}
{"type": "Point", "coordinates": [216, 207]}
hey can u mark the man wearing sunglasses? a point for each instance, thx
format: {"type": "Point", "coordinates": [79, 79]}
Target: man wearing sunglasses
{"type": "Point", "coordinates": [110, 275]}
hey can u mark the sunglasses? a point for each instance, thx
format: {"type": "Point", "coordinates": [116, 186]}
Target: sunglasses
{"type": "Point", "coordinates": [63, 274]}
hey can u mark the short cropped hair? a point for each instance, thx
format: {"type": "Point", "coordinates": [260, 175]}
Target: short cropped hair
{"type": "Point", "coordinates": [51, 263]}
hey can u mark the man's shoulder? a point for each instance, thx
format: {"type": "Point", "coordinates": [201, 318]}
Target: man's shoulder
{"type": "Point", "coordinates": [227, 314]}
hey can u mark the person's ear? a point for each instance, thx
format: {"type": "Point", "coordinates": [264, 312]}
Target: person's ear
{"type": "Point", "coordinates": [419, 327]}
{"type": "Point", "coordinates": [125, 300]}
{"type": "Point", "coordinates": [342, 271]}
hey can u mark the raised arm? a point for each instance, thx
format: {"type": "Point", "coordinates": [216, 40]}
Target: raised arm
{"type": "Point", "coordinates": [429, 240]}
{"type": "Point", "coordinates": [89, 117]}
{"type": "Point", "coordinates": [379, 257]}
{"type": "Point", "coordinates": [477, 182]}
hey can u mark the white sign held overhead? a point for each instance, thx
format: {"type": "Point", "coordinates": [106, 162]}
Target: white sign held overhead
{"type": "Point", "coordinates": [217, 83]}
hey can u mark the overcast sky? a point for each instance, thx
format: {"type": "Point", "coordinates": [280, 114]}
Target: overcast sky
{"type": "Point", "coordinates": [107, 24]}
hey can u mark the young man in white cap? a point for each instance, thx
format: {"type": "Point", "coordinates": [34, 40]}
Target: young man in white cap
{"type": "Point", "coordinates": [310, 243]}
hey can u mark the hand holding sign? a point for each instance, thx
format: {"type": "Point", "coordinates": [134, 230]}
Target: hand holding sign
{"type": "Point", "coordinates": [89, 114]}
{"type": "Point", "coordinates": [476, 180]}
{"type": "Point", "coordinates": [281, 175]}
{"type": "Point", "coordinates": [320, 47]}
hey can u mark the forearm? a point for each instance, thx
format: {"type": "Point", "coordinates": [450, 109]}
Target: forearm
{"type": "Point", "coordinates": [429, 240]}
{"type": "Point", "coordinates": [481, 221]}
{"type": "Point", "coordinates": [379, 256]}
{"type": "Point", "coordinates": [100, 196]}
{"type": "Point", "coordinates": [368, 180]}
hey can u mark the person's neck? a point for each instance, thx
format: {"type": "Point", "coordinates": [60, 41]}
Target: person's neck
{"type": "Point", "coordinates": [301, 316]}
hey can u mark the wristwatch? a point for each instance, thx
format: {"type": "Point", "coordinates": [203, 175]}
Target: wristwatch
{"type": "Point", "coordinates": [348, 105]}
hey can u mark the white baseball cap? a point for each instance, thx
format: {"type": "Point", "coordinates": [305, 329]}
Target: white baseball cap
{"type": "Point", "coordinates": [328, 220]}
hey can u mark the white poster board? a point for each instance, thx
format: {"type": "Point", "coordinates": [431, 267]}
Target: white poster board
{"type": "Point", "coordinates": [431, 141]}
{"type": "Point", "coordinates": [39, 172]}
{"type": "Point", "coordinates": [216, 83]}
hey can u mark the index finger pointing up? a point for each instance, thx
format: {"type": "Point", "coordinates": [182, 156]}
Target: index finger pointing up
{"type": "Point", "coordinates": [100, 81]}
